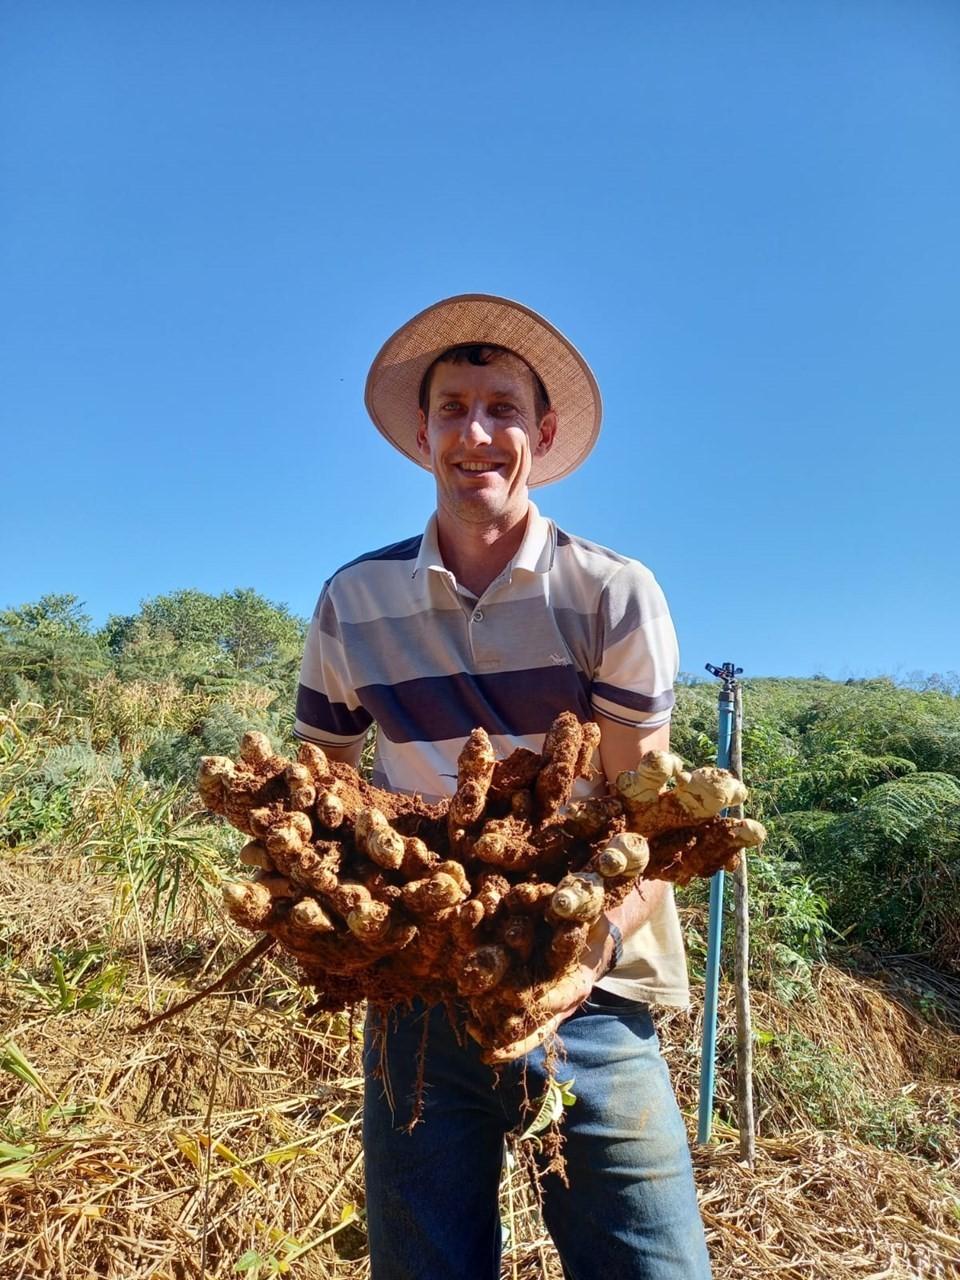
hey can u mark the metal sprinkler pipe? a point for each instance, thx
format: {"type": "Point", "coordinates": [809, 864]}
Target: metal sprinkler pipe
{"type": "Point", "coordinates": [726, 706]}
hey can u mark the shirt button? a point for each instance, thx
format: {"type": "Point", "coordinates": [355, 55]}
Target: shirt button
{"type": "Point", "coordinates": [478, 615]}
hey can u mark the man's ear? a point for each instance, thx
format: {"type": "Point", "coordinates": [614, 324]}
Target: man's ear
{"type": "Point", "coordinates": [422, 444]}
{"type": "Point", "coordinates": [547, 432]}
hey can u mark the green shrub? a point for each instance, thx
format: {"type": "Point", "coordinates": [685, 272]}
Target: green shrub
{"type": "Point", "coordinates": [176, 756]}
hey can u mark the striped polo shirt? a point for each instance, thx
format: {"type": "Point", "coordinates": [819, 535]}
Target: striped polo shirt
{"type": "Point", "coordinates": [567, 625]}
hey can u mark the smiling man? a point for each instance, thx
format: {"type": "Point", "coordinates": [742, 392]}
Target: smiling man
{"type": "Point", "coordinates": [483, 419]}
{"type": "Point", "coordinates": [495, 617]}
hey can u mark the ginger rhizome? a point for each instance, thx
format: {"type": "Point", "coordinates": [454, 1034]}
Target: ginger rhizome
{"type": "Point", "coordinates": [486, 899]}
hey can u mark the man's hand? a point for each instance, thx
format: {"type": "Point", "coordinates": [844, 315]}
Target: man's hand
{"type": "Point", "coordinates": [566, 996]}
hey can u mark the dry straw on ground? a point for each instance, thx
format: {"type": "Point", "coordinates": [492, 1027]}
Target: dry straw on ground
{"type": "Point", "coordinates": [231, 1135]}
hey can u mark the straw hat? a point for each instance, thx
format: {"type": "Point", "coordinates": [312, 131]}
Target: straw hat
{"type": "Point", "coordinates": [393, 383]}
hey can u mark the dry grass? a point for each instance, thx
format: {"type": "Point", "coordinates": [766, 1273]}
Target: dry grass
{"type": "Point", "coordinates": [173, 1153]}
{"type": "Point", "coordinates": [816, 1205]}
{"type": "Point", "coordinates": [233, 1130]}
{"type": "Point", "coordinates": [79, 915]}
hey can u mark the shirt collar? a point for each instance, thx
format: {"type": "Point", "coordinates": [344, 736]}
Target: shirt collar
{"type": "Point", "coordinates": [539, 543]}
{"type": "Point", "coordinates": [534, 555]}
{"type": "Point", "coordinates": [429, 554]}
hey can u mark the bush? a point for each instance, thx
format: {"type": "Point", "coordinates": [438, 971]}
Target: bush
{"type": "Point", "coordinates": [176, 756]}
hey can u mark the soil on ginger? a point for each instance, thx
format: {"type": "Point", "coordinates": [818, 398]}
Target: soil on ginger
{"type": "Point", "coordinates": [232, 1132]}
{"type": "Point", "coordinates": [486, 898]}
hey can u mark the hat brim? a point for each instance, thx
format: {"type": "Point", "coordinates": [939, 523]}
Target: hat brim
{"type": "Point", "coordinates": [393, 383]}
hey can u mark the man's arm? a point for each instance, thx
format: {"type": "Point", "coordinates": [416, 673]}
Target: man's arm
{"type": "Point", "coordinates": [328, 706]}
{"type": "Point", "coordinates": [621, 746]}
{"type": "Point", "coordinates": [346, 755]}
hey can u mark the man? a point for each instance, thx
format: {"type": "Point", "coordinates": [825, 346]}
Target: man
{"type": "Point", "coordinates": [495, 617]}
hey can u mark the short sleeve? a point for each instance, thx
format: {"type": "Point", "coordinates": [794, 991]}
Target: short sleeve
{"type": "Point", "coordinates": [328, 710]}
{"type": "Point", "coordinates": [638, 662]}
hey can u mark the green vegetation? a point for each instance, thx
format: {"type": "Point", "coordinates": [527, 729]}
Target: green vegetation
{"type": "Point", "coordinates": [858, 783]}
{"type": "Point", "coordinates": [859, 787]}
{"type": "Point", "coordinates": [109, 869]}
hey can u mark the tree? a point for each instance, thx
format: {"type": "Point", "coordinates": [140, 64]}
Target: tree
{"type": "Point", "coordinates": [239, 630]}
{"type": "Point", "coordinates": [47, 649]}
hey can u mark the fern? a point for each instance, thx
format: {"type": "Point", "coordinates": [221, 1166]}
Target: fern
{"type": "Point", "coordinates": [894, 812]}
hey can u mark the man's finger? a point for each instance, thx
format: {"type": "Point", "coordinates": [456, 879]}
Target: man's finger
{"type": "Point", "coordinates": [510, 1052]}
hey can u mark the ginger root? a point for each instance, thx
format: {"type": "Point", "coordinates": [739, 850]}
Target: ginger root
{"type": "Point", "coordinates": [474, 774]}
{"type": "Point", "coordinates": [486, 899]}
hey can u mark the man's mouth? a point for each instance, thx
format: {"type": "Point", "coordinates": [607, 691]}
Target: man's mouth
{"type": "Point", "coordinates": [478, 467]}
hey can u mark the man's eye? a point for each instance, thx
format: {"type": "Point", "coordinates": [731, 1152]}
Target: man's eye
{"type": "Point", "coordinates": [503, 407]}
{"type": "Point", "coordinates": [449, 406]}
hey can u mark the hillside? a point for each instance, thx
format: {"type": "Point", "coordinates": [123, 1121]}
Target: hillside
{"type": "Point", "coordinates": [225, 1142]}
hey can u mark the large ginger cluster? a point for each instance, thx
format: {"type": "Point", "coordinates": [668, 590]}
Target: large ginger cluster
{"type": "Point", "coordinates": [485, 899]}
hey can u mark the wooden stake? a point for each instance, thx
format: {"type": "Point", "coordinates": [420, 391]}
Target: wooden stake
{"type": "Point", "coordinates": [741, 962]}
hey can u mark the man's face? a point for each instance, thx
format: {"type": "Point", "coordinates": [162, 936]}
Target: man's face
{"type": "Point", "coordinates": [480, 435]}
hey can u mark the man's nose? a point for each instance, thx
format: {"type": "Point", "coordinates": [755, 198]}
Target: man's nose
{"type": "Point", "coordinates": [476, 428]}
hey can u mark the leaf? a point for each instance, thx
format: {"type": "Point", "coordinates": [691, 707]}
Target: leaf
{"type": "Point", "coordinates": [72, 1111]}
{"type": "Point", "coordinates": [276, 1235]}
{"type": "Point", "coordinates": [250, 1261]}
{"type": "Point", "coordinates": [13, 1060]}
{"type": "Point", "coordinates": [10, 1152]}
{"type": "Point", "coordinates": [65, 1000]}
{"type": "Point", "coordinates": [190, 1148]}
{"type": "Point", "coordinates": [891, 813]}
{"type": "Point", "coordinates": [15, 1162]}
{"type": "Point", "coordinates": [238, 1175]}
{"type": "Point", "coordinates": [283, 1155]}
{"type": "Point", "coordinates": [556, 1096]}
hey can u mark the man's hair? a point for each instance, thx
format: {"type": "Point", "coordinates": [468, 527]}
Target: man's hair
{"type": "Point", "coordinates": [483, 354]}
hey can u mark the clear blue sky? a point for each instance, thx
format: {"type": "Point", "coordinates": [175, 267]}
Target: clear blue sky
{"type": "Point", "coordinates": [746, 215]}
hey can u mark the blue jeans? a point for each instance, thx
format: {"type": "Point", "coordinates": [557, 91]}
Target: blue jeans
{"type": "Point", "coordinates": [630, 1210]}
